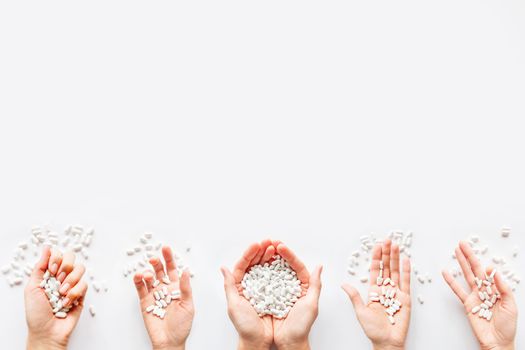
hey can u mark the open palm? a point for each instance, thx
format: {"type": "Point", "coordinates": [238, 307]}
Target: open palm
{"type": "Point", "coordinates": [174, 329]}
{"type": "Point", "coordinates": [372, 316]}
{"type": "Point", "coordinates": [500, 331]}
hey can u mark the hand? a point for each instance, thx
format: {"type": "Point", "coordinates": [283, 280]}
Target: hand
{"type": "Point", "coordinates": [372, 316]}
{"type": "Point", "coordinates": [45, 331]}
{"type": "Point", "coordinates": [292, 332]}
{"type": "Point", "coordinates": [254, 332]}
{"type": "Point", "coordinates": [498, 333]}
{"type": "Point", "coordinates": [172, 331]}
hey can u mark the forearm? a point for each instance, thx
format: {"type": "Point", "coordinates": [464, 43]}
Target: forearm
{"type": "Point", "coordinates": [34, 343]}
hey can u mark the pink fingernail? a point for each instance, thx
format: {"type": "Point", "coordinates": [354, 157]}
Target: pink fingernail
{"type": "Point", "coordinates": [63, 289]}
{"type": "Point", "coordinates": [61, 277]}
{"type": "Point", "coordinates": [53, 268]}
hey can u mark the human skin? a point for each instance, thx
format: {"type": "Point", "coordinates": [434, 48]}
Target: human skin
{"type": "Point", "coordinates": [45, 331]}
{"type": "Point", "coordinates": [259, 333]}
{"type": "Point", "coordinates": [171, 332]}
{"type": "Point", "coordinates": [500, 332]}
{"type": "Point", "coordinates": [371, 315]}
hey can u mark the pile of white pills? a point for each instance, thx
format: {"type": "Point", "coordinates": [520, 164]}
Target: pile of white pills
{"type": "Point", "coordinates": [272, 288]}
{"type": "Point", "coordinates": [487, 295]}
{"type": "Point", "coordinates": [367, 242]}
{"type": "Point", "coordinates": [51, 285]}
{"type": "Point", "coordinates": [162, 298]}
{"type": "Point", "coordinates": [387, 298]}
{"type": "Point", "coordinates": [74, 237]}
{"type": "Point", "coordinates": [147, 248]}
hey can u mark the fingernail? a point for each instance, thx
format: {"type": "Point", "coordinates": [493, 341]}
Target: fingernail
{"type": "Point", "coordinates": [61, 277]}
{"type": "Point", "coordinates": [63, 290]}
{"type": "Point", "coordinates": [65, 301]}
{"type": "Point", "coordinates": [53, 268]}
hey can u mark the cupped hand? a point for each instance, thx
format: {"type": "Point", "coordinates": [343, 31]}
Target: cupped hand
{"type": "Point", "coordinates": [257, 332]}
{"type": "Point", "coordinates": [172, 331]}
{"type": "Point", "coordinates": [45, 331]}
{"type": "Point", "coordinates": [254, 332]}
{"type": "Point", "coordinates": [371, 315]}
{"type": "Point", "coordinates": [292, 332]}
{"type": "Point", "coordinates": [498, 333]}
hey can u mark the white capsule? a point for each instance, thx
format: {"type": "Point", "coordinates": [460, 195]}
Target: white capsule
{"type": "Point", "coordinates": [391, 319]}
{"type": "Point", "coordinates": [156, 283]}
{"type": "Point", "coordinates": [60, 314]}
{"type": "Point", "coordinates": [166, 280]}
{"type": "Point", "coordinates": [364, 279]}
{"type": "Point", "coordinates": [420, 299]}
{"type": "Point", "coordinates": [379, 281]}
{"type": "Point", "coordinates": [475, 309]}
{"type": "Point", "coordinates": [150, 308]}
{"type": "Point", "coordinates": [386, 281]}
{"type": "Point", "coordinates": [92, 310]}
{"type": "Point", "coordinates": [481, 296]}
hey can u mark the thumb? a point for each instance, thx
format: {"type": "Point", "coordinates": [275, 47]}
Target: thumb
{"type": "Point", "coordinates": [503, 288]}
{"type": "Point", "coordinates": [229, 285]}
{"type": "Point", "coordinates": [314, 286]}
{"type": "Point", "coordinates": [185, 287]}
{"type": "Point", "coordinates": [40, 267]}
{"type": "Point", "coordinates": [354, 296]}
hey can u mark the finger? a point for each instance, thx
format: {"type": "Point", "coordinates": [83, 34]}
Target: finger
{"type": "Point", "coordinates": [385, 257]}
{"type": "Point", "coordinates": [67, 265]}
{"type": "Point", "coordinates": [264, 245]}
{"type": "Point", "coordinates": [171, 266]}
{"type": "Point", "coordinates": [455, 286]}
{"type": "Point", "coordinates": [148, 279]}
{"type": "Point", "coordinates": [394, 264]}
{"type": "Point", "coordinates": [185, 287]}
{"type": "Point", "coordinates": [158, 267]}
{"type": "Point", "coordinates": [374, 266]}
{"type": "Point", "coordinates": [243, 264]}
{"type": "Point", "coordinates": [229, 285]}
{"type": "Point", "coordinates": [465, 267]}
{"type": "Point", "coordinates": [314, 286]}
{"type": "Point", "coordinates": [354, 296]}
{"type": "Point", "coordinates": [41, 266]}
{"type": "Point", "coordinates": [76, 293]}
{"type": "Point", "coordinates": [142, 290]}
{"type": "Point", "coordinates": [472, 259]}
{"type": "Point", "coordinates": [54, 261]}
{"type": "Point", "coordinates": [72, 279]}
{"type": "Point", "coordinates": [270, 251]}
{"type": "Point", "coordinates": [294, 262]}
{"type": "Point", "coordinates": [405, 277]}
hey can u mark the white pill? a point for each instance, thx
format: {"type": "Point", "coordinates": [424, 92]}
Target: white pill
{"type": "Point", "coordinates": [364, 279]}
{"type": "Point", "coordinates": [475, 309]}
{"type": "Point", "coordinates": [60, 314]}
{"type": "Point", "coordinates": [150, 308]}
{"type": "Point", "coordinates": [156, 283]}
{"type": "Point", "coordinates": [420, 299]}
{"type": "Point", "coordinates": [148, 235]}
{"type": "Point", "coordinates": [166, 280]}
{"type": "Point", "coordinates": [92, 310]}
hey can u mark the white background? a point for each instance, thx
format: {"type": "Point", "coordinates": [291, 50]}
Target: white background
{"type": "Point", "coordinates": [225, 122]}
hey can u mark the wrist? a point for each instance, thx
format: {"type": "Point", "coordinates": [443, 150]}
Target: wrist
{"type": "Point", "coordinates": [170, 347]}
{"type": "Point", "coordinates": [498, 347]}
{"type": "Point", "coordinates": [44, 343]}
{"type": "Point", "coordinates": [253, 345]}
{"type": "Point", "coordinates": [388, 347]}
{"type": "Point", "coordinates": [297, 345]}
